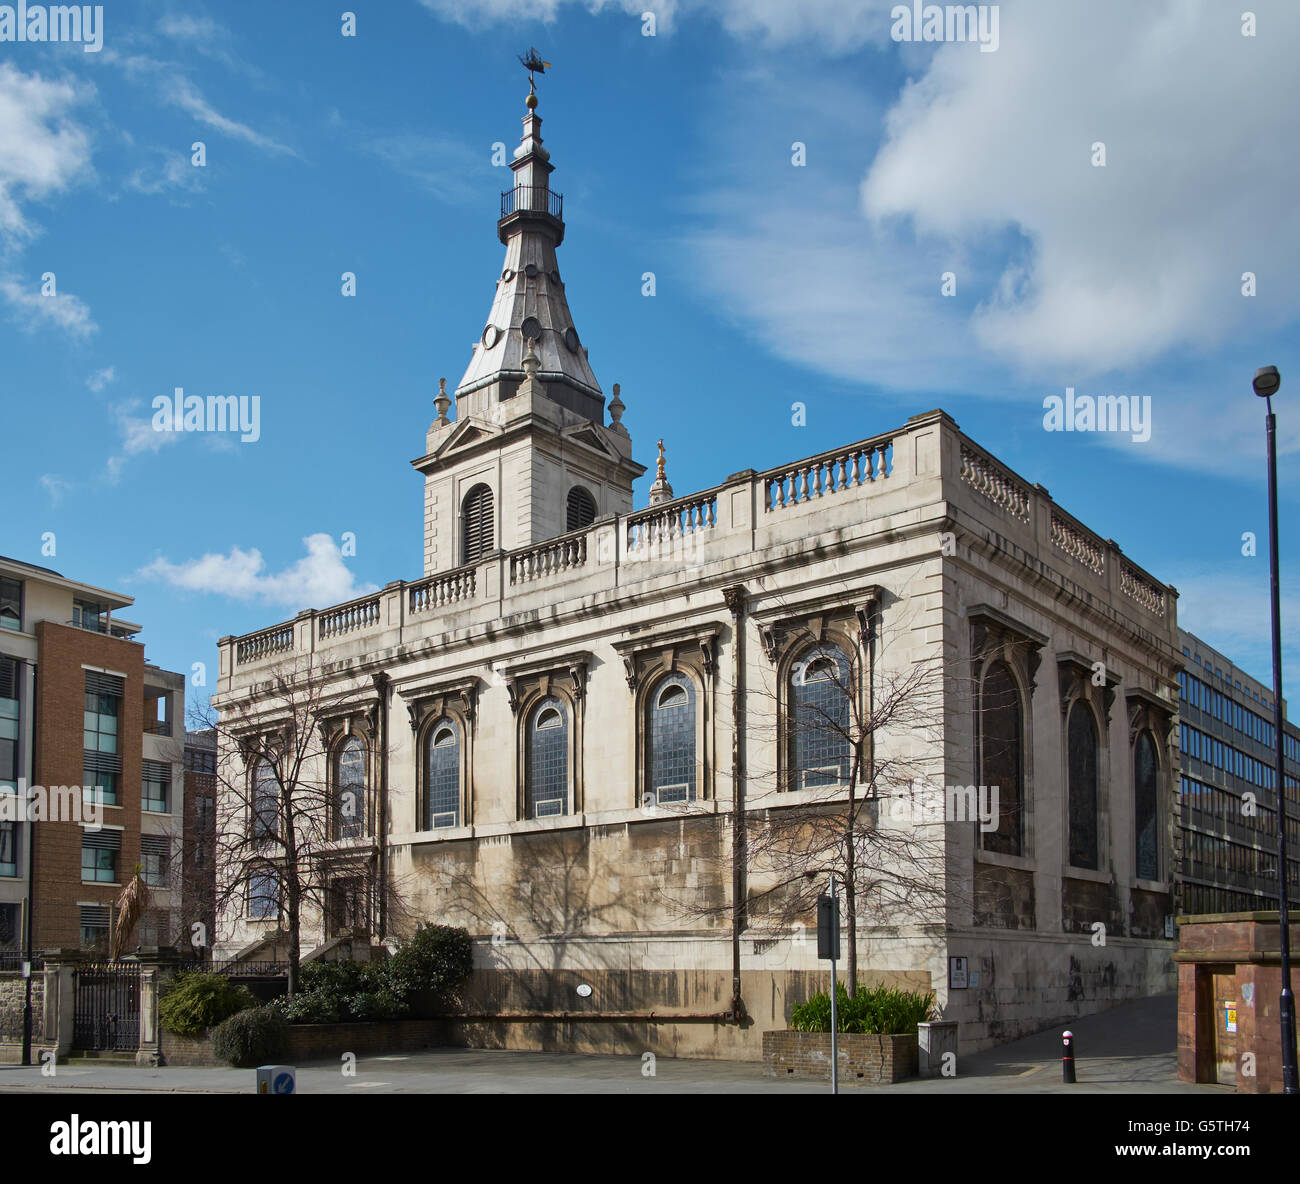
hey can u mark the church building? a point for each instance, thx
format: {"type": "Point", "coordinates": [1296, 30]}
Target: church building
{"type": "Point", "coordinates": [612, 741]}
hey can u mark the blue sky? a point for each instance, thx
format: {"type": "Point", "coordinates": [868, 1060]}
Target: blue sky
{"type": "Point", "coordinates": [774, 283]}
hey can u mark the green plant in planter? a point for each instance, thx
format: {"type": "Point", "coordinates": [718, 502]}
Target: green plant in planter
{"type": "Point", "coordinates": [251, 1037]}
{"type": "Point", "coordinates": [878, 1011]}
{"type": "Point", "coordinates": [199, 1000]}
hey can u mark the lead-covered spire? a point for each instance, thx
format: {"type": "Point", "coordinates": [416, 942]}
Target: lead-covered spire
{"type": "Point", "coordinates": [530, 300]}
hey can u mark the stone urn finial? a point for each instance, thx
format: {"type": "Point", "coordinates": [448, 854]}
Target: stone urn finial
{"type": "Point", "coordinates": [661, 491]}
{"type": "Point", "coordinates": [442, 402]}
{"type": "Point", "coordinates": [616, 409]}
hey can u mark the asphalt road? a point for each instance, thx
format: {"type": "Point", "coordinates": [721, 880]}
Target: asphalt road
{"type": "Point", "coordinates": [1127, 1049]}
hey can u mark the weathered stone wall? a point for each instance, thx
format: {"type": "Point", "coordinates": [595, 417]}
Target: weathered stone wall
{"type": "Point", "coordinates": [12, 994]}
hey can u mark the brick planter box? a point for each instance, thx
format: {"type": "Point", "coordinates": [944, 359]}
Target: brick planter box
{"type": "Point", "coordinates": [864, 1060]}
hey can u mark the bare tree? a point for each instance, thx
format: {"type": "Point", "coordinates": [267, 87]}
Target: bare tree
{"type": "Point", "coordinates": [843, 752]}
{"type": "Point", "coordinates": [283, 821]}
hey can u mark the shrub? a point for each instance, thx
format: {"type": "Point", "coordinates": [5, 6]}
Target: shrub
{"type": "Point", "coordinates": [251, 1037]}
{"type": "Point", "coordinates": [433, 963]}
{"type": "Point", "coordinates": [880, 1011]}
{"type": "Point", "coordinates": [199, 1000]}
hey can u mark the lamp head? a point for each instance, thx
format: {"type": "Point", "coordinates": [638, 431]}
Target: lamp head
{"type": "Point", "coordinates": [1267, 380]}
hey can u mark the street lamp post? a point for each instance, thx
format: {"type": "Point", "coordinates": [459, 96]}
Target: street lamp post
{"type": "Point", "coordinates": [1267, 381]}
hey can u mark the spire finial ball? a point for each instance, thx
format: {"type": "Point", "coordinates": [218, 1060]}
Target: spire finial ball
{"type": "Point", "coordinates": [531, 101]}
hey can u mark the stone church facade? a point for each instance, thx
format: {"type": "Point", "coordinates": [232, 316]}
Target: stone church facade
{"type": "Point", "coordinates": [558, 734]}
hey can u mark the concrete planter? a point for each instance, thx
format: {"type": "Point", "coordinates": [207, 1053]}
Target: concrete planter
{"type": "Point", "coordinates": [864, 1060]}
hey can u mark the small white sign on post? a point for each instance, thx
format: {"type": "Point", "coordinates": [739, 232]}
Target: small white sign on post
{"type": "Point", "coordinates": [958, 973]}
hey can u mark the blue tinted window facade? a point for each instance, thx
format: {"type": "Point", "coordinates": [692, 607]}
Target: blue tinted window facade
{"type": "Point", "coordinates": [819, 719]}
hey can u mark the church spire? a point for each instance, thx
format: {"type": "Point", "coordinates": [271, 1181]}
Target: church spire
{"type": "Point", "coordinates": [530, 300]}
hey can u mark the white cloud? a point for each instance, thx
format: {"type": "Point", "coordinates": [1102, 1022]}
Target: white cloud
{"type": "Point", "coordinates": [57, 487]}
{"type": "Point", "coordinates": [441, 167]}
{"type": "Point", "coordinates": [1231, 610]}
{"type": "Point", "coordinates": [835, 26]}
{"type": "Point", "coordinates": [1116, 265]}
{"type": "Point", "coordinates": [173, 88]}
{"type": "Point", "coordinates": [42, 149]}
{"type": "Point", "coordinates": [319, 579]}
{"type": "Point", "coordinates": [168, 171]}
{"type": "Point", "coordinates": [31, 310]}
{"type": "Point", "coordinates": [101, 378]}
{"type": "Point", "coordinates": [138, 435]}
{"type": "Point", "coordinates": [182, 93]}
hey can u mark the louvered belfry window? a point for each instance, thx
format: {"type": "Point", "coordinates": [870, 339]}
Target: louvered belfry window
{"type": "Point", "coordinates": [581, 509]}
{"type": "Point", "coordinates": [476, 524]}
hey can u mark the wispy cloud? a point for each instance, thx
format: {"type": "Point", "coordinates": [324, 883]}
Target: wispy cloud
{"type": "Point", "coordinates": [319, 578]}
{"type": "Point", "coordinates": [32, 309]}
{"type": "Point", "coordinates": [1231, 610]}
{"type": "Point", "coordinates": [168, 172]}
{"type": "Point", "coordinates": [57, 487]}
{"type": "Point", "coordinates": [42, 148]}
{"type": "Point", "coordinates": [441, 167]}
{"type": "Point", "coordinates": [137, 435]}
{"type": "Point", "coordinates": [101, 378]}
{"type": "Point", "coordinates": [173, 87]}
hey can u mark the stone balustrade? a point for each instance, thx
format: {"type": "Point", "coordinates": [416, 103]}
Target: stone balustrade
{"type": "Point", "coordinates": [672, 520]}
{"type": "Point", "coordinates": [986, 476]}
{"type": "Point", "coordinates": [348, 618]}
{"type": "Point", "coordinates": [269, 642]}
{"type": "Point", "coordinates": [832, 472]}
{"type": "Point", "coordinates": [746, 515]}
{"type": "Point", "coordinates": [437, 592]}
{"type": "Point", "coordinates": [1079, 543]}
{"type": "Point", "coordinates": [552, 557]}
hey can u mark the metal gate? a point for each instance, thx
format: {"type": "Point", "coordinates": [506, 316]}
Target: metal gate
{"type": "Point", "coordinates": [106, 1006]}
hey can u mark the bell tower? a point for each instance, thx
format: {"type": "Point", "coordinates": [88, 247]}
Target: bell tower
{"type": "Point", "coordinates": [529, 455]}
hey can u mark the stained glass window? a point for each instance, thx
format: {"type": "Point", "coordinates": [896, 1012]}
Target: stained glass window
{"type": "Point", "coordinates": [671, 741]}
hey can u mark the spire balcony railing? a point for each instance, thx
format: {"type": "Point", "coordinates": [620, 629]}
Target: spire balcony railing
{"type": "Point", "coordinates": [534, 198]}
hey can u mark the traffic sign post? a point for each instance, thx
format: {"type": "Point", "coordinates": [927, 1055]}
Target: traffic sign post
{"type": "Point", "coordinates": [828, 946]}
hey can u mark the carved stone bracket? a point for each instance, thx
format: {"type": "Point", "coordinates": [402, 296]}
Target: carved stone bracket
{"type": "Point", "coordinates": [573, 665]}
{"type": "Point", "coordinates": [993, 630]}
{"type": "Point", "coordinates": [662, 647]}
{"type": "Point", "coordinates": [423, 701]}
{"type": "Point", "coordinates": [813, 617]}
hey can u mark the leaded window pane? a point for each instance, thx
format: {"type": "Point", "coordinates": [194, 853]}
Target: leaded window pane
{"type": "Point", "coordinates": [442, 777]}
{"type": "Point", "coordinates": [1082, 748]}
{"type": "Point", "coordinates": [671, 741]}
{"type": "Point", "coordinates": [1145, 775]}
{"type": "Point", "coordinates": [266, 802]}
{"type": "Point", "coordinates": [548, 760]}
{"type": "Point", "coordinates": [352, 789]}
{"type": "Point", "coordinates": [820, 748]}
{"type": "Point", "coordinates": [1000, 730]}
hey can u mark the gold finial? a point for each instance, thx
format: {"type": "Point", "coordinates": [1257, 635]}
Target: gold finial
{"type": "Point", "coordinates": [660, 474]}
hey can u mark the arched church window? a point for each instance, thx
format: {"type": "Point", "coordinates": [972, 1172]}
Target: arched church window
{"type": "Point", "coordinates": [1081, 735]}
{"type": "Point", "coordinates": [820, 737]}
{"type": "Point", "coordinates": [351, 789]}
{"type": "Point", "coordinates": [266, 802]}
{"type": "Point", "coordinates": [1146, 770]}
{"type": "Point", "coordinates": [442, 776]}
{"type": "Point", "coordinates": [670, 741]}
{"type": "Point", "coordinates": [477, 534]}
{"type": "Point", "coordinates": [548, 760]}
{"type": "Point", "coordinates": [1000, 729]}
{"type": "Point", "coordinates": [581, 509]}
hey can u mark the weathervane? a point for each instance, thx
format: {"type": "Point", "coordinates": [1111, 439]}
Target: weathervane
{"type": "Point", "coordinates": [533, 64]}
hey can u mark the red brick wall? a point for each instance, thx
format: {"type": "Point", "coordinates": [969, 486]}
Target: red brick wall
{"type": "Point", "coordinates": [865, 1060]}
{"type": "Point", "coordinates": [60, 703]}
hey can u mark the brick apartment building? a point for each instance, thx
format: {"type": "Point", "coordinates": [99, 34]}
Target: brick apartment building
{"type": "Point", "coordinates": [199, 869]}
{"type": "Point", "coordinates": [79, 708]}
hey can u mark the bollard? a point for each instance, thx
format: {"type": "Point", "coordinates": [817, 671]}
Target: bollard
{"type": "Point", "coordinates": [1067, 1058]}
